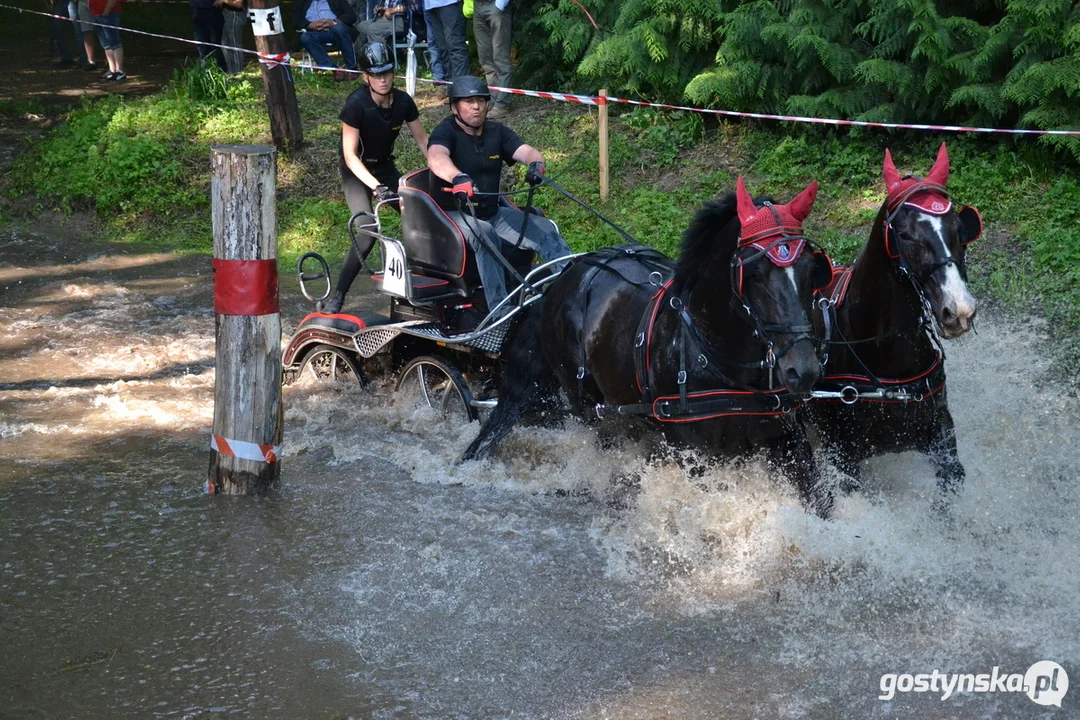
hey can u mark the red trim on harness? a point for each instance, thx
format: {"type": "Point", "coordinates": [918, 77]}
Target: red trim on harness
{"type": "Point", "coordinates": [837, 289]}
{"type": "Point", "coordinates": [862, 378]}
{"type": "Point", "coordinates": [656, 300]}
{"type": "Point", "coordinates": [245, 287]}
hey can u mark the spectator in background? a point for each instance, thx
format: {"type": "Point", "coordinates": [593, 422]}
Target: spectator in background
{"type": "Point", "coordinates": [85, 18]}
{"type": "Point", "coordinates": [80, 45]}
{"type": "Point", "coordinates": [438, 70]}
{"type": "Point", "coordinates": [492, 31]}
{"type": "Point", "coordinates": [387, 18]}
{"type": "Point", "coordinates": [232, 34]}
{"type": "Point", "coordinates": [58, 27]}
{"type": "Point", "coordinates": [107, 14]}
{"type": "Point", "coordinates": [327, 22]}
{"type": "Point", "coordinates": [446, 30]}
{"type": "Point", "coordinates": [208, 22]}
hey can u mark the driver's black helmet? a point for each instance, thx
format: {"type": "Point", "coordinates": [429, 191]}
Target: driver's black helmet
{"type": "Point", "coordinates": [375, 58]}
{"type": "Point", "coordinates": [468, 86]}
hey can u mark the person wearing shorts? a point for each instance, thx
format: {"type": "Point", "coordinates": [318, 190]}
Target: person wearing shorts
{"type": "Point", "coordinates": [107, 14]}
{"type": "Point", "coordinates": [85, 19]}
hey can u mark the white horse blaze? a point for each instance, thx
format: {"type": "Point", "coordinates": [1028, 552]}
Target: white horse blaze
{"type": "Point", "coordinates": [790, 272]}
{"type": "Point", "coordinates": [954, 290]}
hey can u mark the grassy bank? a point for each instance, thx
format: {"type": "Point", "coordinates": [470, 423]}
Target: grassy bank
{"type": "Point", "coordinates": [143, 167]}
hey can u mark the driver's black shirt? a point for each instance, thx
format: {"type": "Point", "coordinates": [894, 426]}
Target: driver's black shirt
{"type": "Point", "coordinates": [480, 157]}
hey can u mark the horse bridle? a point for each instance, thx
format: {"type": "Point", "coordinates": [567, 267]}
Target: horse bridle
{"type": "Point", "coordinates": [918, 280]}
{"type": "Point", "coordinates": [784, 234]}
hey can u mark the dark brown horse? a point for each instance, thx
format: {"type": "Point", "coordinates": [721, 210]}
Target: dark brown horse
{"type": "Point", "coordinates": [885, 364]}
{"type": "Point", "coordinates": [715, 350]}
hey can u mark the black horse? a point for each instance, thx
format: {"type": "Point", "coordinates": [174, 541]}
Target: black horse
{"type": "Point", "coordinates": [885, 366]}
{"type": "Point", "coordinates": [716, 350]}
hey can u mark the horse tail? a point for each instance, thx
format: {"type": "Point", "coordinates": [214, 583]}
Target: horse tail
{"type": "Point", "coordinates": [525, 380]}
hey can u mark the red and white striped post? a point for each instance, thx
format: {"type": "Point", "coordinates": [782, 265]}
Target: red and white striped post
{"type": "Point", "coordinates": [248, 414]}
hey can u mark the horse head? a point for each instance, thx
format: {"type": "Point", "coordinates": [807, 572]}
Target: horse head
{"type": "Point", "coordinates": [774, 280]}
{"type": "Point", "coordinates": [927, 238]}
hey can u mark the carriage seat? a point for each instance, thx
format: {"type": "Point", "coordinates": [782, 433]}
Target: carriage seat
{"type": "Point", "coordinates": [434, 244]}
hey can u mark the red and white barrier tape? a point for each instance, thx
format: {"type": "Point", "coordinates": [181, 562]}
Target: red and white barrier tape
{"type": "Point", "coordinates": [245, 450]}
{"type": "Point", "coordinates": [275, 60]}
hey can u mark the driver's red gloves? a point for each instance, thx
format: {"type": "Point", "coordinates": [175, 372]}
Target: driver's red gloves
{"type": "Point", "coordinates": [463, 185]}
{"type": "Point", "coordinates": [535, 174]}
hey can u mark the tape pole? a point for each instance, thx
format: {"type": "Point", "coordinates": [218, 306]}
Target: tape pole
{"type": "Point", "coordinates": [248, 413]}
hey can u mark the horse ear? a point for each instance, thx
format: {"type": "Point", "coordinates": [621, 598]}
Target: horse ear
{"type": "Point", "coordinates": [939, 174]}
{"type": "Point", "coordinates": [801, 205]}
{"type": "Point", "coordinates": [744, 203]}
{"type": "Point", "coordinates": [888, 171]}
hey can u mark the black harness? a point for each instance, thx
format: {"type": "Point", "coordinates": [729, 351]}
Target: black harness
{"type": "Point", "coordinates": [730, 397]}
{"type": "Point", "coordinates": [851, 388]}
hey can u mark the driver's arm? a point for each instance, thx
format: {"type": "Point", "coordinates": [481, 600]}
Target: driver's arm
{"type": "Point", "coordinates": [438, 157]}
{"type": "Point", "coordinates": [528, 154]}
{"type": "Point", "coordinates": [350, 140]}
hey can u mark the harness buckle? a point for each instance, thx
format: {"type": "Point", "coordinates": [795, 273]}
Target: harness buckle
{"type": "Point", "coordinates": [824, 303]}
{"type": "Point", "coordinates": [655, 278]}
{"type": "Point", "coordinates": [675, 302]}
{"type": "Point", "coordinates": [581, 372]}
{"type": "Point", "coordinates": [702, 360]}
{"type": "Point", "coordinates": [682, 377]}
{"type": "Point", "coordinates": [639, 340]}
{"type": "Point", "coordinates": [599, 409]}
{"type": "Point", "coordinates": [770, 358]}
{"type": "Point", "coordinates": [663, 409]}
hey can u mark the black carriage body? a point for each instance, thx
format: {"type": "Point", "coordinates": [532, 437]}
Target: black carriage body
{"type": "Point", "coordinates": [444, 295]}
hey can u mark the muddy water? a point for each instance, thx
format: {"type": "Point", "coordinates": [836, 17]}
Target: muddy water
{"type": "Point", "coordinates": [384, 581]}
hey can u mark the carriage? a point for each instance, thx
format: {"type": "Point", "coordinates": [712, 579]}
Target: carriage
{"type": "Point", "coordinates": [437, 333]}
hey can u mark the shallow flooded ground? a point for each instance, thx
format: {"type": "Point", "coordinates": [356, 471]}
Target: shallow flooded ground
{"type": "Point", "coordinates": [384, 581]}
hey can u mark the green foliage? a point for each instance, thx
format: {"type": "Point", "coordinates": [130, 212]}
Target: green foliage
{"type": "Point", "coordinates": [998, 62]}
{"type": "Point", "coordinates": [666, 134]}
{"type": "Point", "coordinates": [132, 157]}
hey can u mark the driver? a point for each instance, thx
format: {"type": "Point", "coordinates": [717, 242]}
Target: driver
{"type": "Point", "coordinates": [466, 152]}
{"type": "Point", "coordinates": [370, 123]}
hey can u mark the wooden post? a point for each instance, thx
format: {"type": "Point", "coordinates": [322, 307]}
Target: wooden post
{"type": "Point", "coordinates": [266, 23]}
{"type": "Point", "coordinates": [603, 146]}
{"type": "Point", "coordinates": [248, 414]}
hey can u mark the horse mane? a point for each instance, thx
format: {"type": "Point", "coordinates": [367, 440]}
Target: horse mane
{"type": "Point", "coordinates": [699, 241]}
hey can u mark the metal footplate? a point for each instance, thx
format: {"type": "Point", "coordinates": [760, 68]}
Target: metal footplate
{"type": "Point", "coordinates": [370, 341]}
{"type": "Point", "coordinates": [489, 339]}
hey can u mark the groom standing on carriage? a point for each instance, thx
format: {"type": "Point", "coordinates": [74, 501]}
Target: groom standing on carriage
{"type": "Point", "coordinates": [466, 153]}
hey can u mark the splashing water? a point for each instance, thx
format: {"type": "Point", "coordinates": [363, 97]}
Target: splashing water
{"type": "Point", "coordinates": [557, 579]}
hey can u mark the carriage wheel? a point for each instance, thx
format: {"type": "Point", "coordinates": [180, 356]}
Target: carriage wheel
{"type": "Point", "coordinates": [432, 382]}
{"type": "Point", "coordinates": [328, 364]}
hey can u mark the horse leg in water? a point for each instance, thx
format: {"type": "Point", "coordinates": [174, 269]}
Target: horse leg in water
{"type": "Point", "coordinates": [525, 381]}
{"type": "Point", "coordinates": [792, 453]}
{"type": "Point", "coordinates": [942, 451]}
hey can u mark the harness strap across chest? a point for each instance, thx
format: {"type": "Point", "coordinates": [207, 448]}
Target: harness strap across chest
{"type": "Point", "coordinates": [731, 399]}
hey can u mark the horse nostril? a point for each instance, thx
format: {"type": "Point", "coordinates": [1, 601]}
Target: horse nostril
{"type": "Point", "coordinates": [793, 377]}
{"type": "Point", "coordinates": [947, 314]}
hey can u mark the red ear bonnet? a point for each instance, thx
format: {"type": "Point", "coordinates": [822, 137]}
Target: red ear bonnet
{"type": "Point", "coordinates": [930, 201]}
{"type": "Point", "coordinates": [761, 226]}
